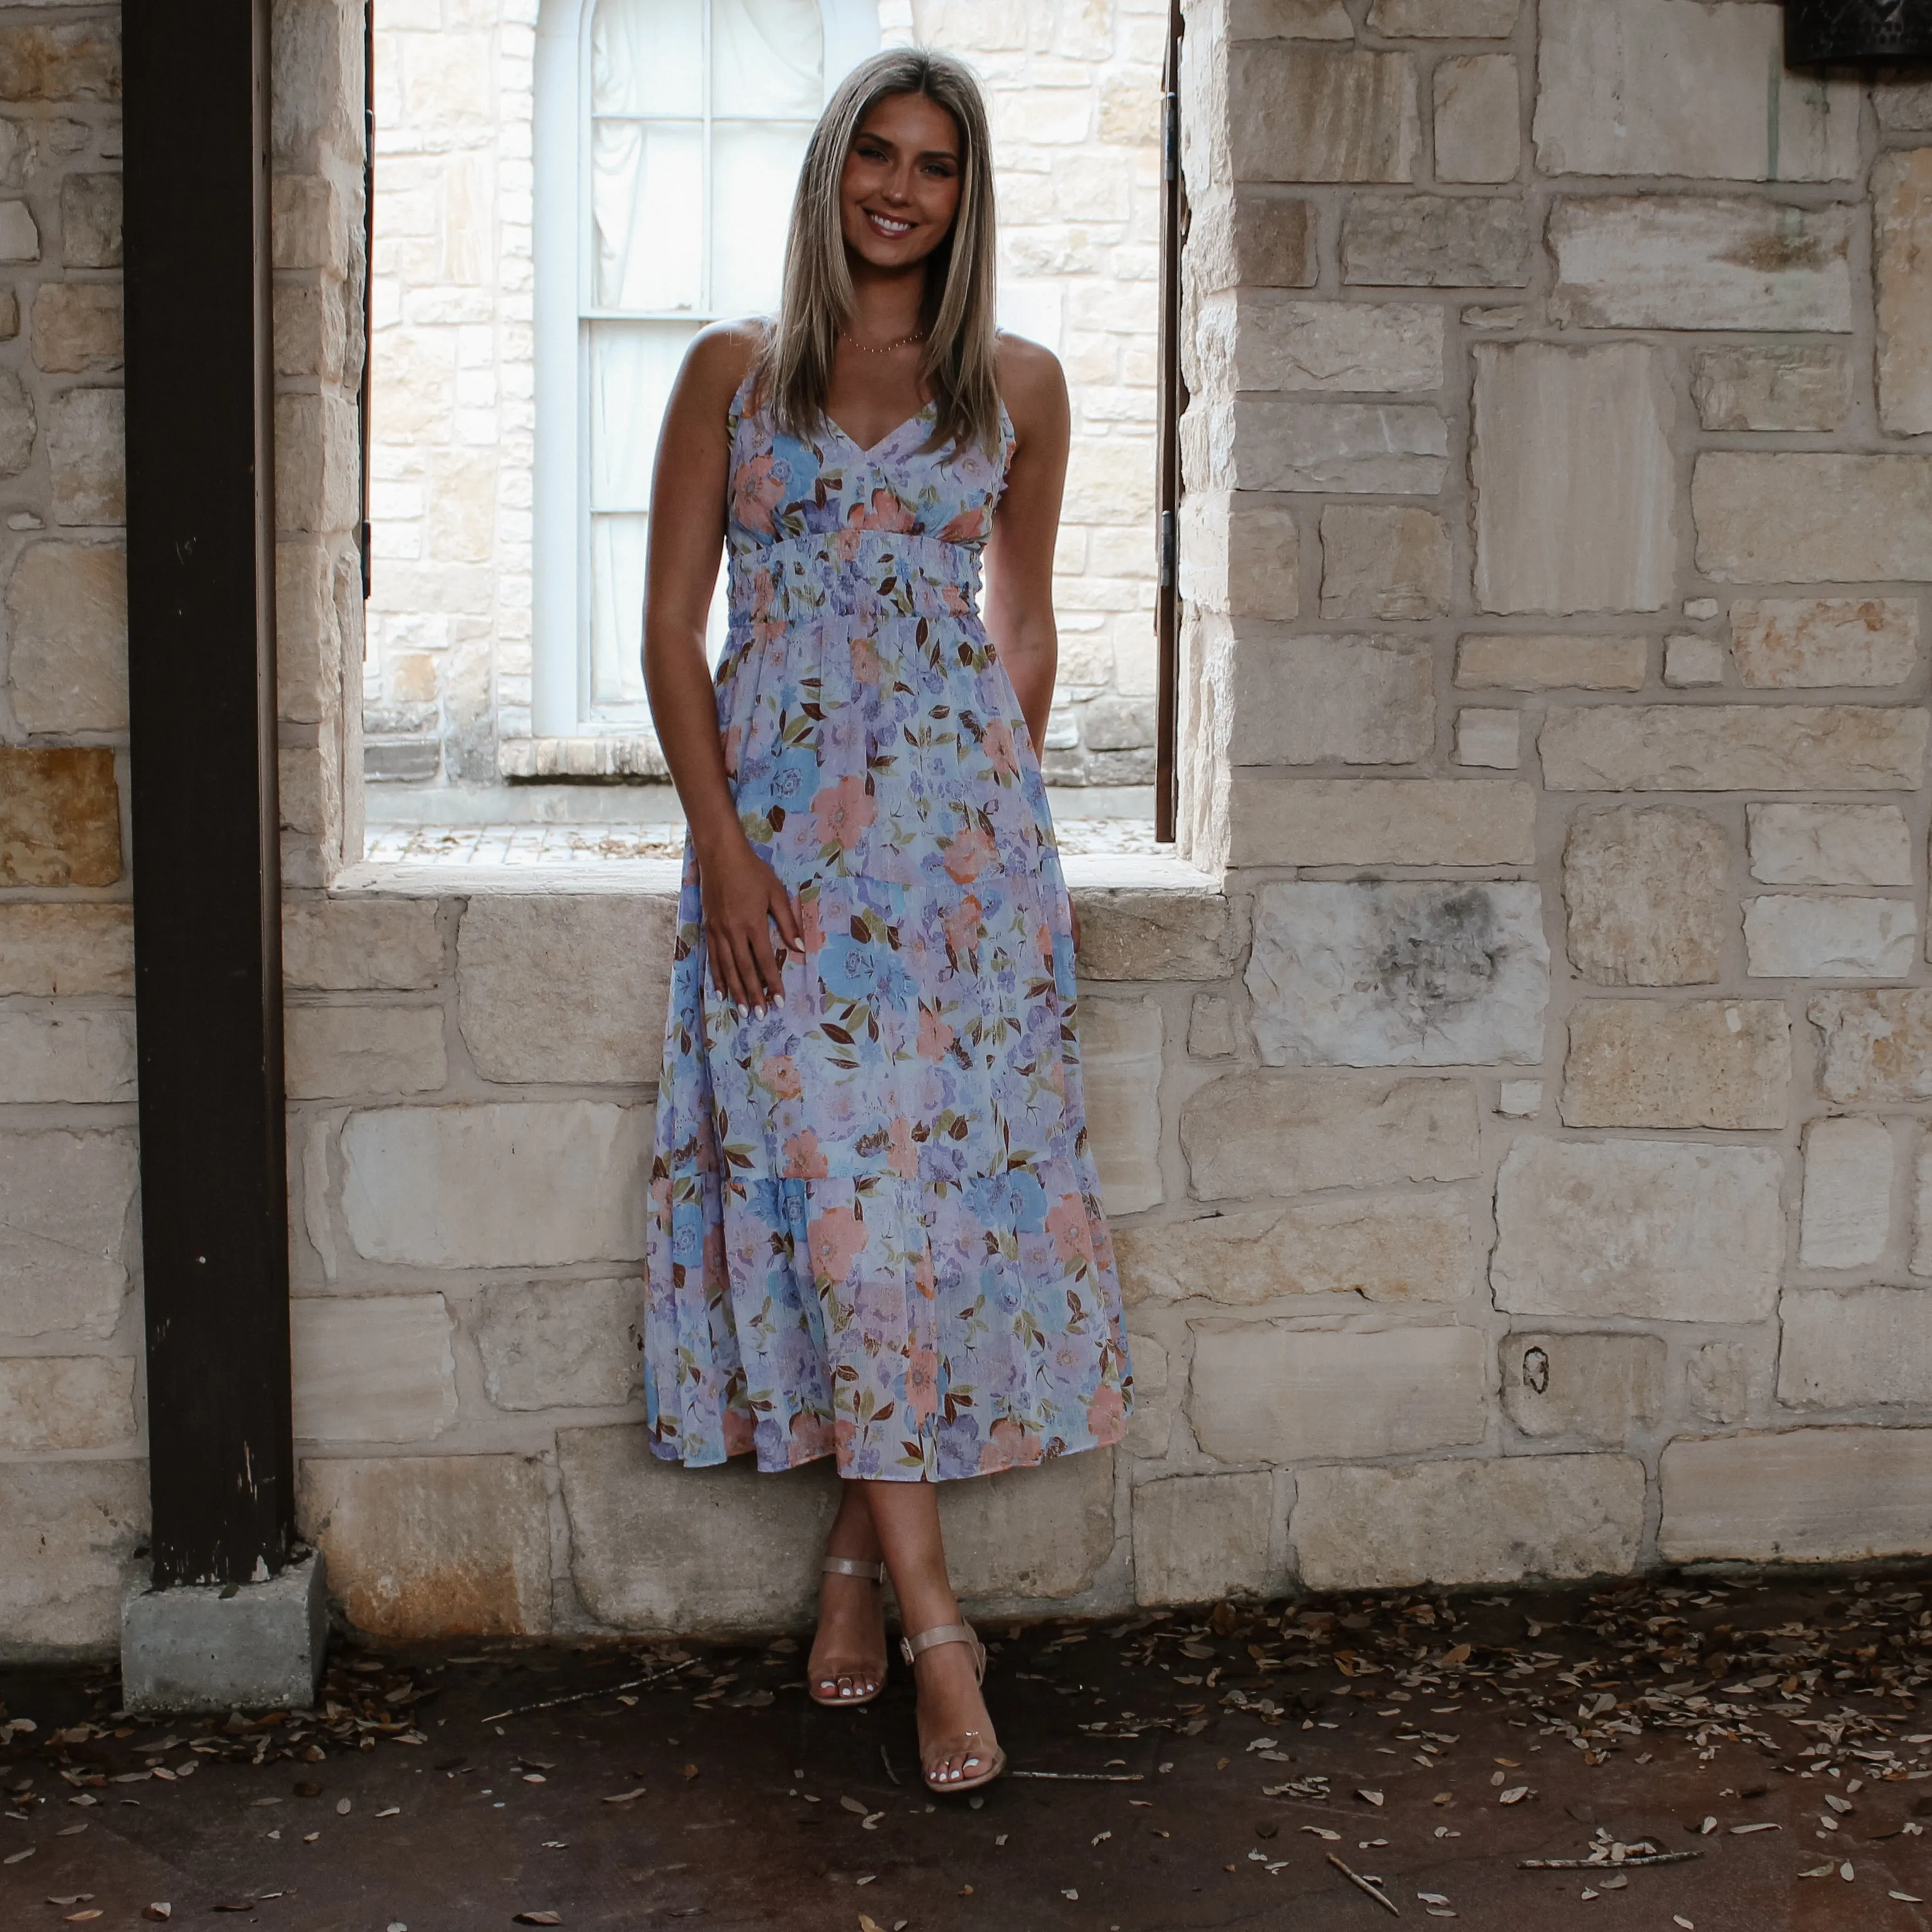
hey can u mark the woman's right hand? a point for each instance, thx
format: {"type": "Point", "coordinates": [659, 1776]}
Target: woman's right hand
{"type": "Point", "coordinates": [743, 899]}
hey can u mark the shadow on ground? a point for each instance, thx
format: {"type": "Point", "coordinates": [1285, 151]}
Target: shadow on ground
{"type": "Point", "coordinates": [1733, 1756]}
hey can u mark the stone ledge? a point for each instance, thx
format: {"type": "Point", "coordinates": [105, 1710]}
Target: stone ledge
{"type": "Point", "coordinates": [619, 756]}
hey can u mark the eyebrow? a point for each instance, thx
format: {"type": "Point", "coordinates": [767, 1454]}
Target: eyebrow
{"type": "Point", "coordinates": [926, 153]}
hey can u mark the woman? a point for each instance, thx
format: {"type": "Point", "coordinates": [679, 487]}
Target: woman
{"type": "Point", "coordinates": [876, 1230]}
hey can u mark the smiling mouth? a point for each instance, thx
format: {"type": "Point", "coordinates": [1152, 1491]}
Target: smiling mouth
{"type": "Point", "coordinates": [891, 229]}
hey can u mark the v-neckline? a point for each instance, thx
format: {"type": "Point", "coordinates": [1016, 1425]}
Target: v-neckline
{"type": "Point", "coordinates": [866, 455]}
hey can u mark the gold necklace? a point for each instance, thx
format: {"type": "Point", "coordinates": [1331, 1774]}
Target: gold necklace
{"type": "Point", "coordinates": [865, 349]}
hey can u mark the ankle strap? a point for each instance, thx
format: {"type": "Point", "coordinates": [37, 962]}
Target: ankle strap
{"type": "Point", "coordinates": [853, 1566]}
{"type": "Point", "coordinates": [910, 1647]}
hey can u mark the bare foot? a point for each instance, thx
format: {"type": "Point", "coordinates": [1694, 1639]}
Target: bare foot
{"type": "Point", "coordinates": [848, 1656]}
{"type": "Point", "coordinates": [955, 1734]}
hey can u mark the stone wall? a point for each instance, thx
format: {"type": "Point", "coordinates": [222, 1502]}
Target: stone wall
{"type": "Point", "coordinates": [1515, 1129]}
{"type": "Point", "coordinates": [1075, 88]}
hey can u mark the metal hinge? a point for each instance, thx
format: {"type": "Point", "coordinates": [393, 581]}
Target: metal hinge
{"type": "Point", "coordinates": [1167, 550]}
{"type": "Point", "coordinates": [1170, 137]}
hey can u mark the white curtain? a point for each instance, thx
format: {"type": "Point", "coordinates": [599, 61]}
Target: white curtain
{"type": "Point", "coordinates": [664, 243]}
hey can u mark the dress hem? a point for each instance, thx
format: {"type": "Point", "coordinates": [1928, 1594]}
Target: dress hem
{"type": "Point", "coordinates": [659, 1450]}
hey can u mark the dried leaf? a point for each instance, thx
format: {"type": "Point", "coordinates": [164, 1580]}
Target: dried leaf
{"type": "Point", "coordinates": [539, 1918]}
{"type": "Point", "coordinates": [853, 1804]}
{"type": "Point", "coordinates": [1370, 1797]}
{"type": "Point", "coordinates": [1516, 1794]}
{"type": "Point", "coordinates": [81, 1917]}
{"type": "Point", "coordinates": [626, 1797]}
{"type": "Point", "coordinates": [690, 1771]}
{"type": "Point", "coordinates": [1322, 1831]}
{"type": "Point", "coordinates": [161, 1911]}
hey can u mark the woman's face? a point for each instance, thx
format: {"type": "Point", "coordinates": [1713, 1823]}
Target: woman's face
{"type": "Point", "coordinates": [901, 187]}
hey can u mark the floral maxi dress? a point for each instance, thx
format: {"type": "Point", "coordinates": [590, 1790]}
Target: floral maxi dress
{"type": "Point", "coordinates": [875, 1229]}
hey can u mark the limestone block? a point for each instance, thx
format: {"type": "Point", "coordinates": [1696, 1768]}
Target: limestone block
{"type": "Point", "coordinates": [20, 238]}
{"type": "Point", "coordinates": [1782, 643]}
{"type": "Point", "coordinates": [91, 220]}
{"type": "Point", "coordinates": [555, 988]}
{"type": "Point", "coordinates": [1493, 739]}
{"type": "Point", "coordinates": [1829, 936]}
{"type": "Point", "coordinates": [1596, 1387]}
{"type": "Point", "coordinates": [1027, 1534]}
{"type": "Point", "coordinates": [1668, 261]}
{"type": "Point", "coordinates": [1289, 19]}
{"type": "Point", "coordinates": [54, 950]}
{"type": "Point", "coordinates": [1511, 662]}
{"type": "Point", "coordinates": [1210, 1027]}
{"type": "Point", "coordinates": [1812, 518]}
{"type": "Point", "coordinates": [53, 1403]}
{"type": "Point", "coordinates": [535, 1184]}
{"type": "Point", "coordinates": [66, 1055]}
{"type": "Point", "coordinates": [308, 635]}
{"type": "Point", "coordinates": [1812, 1495]}
{"type": "Point", "coordinates": [1254, 237]}
{"type": "Point", "coordinates": [63, 1235]}
{"type": "Point", "coordinates": [1921, 1263]}
{"type": "Point", "coordinates": [338, 1052]}
{"type": "Point", "coordinates": [1904, 101]}
{"type": "Point", "coordinates": [1140, 933]}
{"type": "Point", "coordinates": [68, 1532]}
{"type": "Point", "coordinates": [1691, 661]}
{"type": "Point", "coordinates": [1902, 237]}
{"type": "Point", "coordinates": [426, 1546]}
{"type": "Point", "coordinates": [1391, 561]}
{"type": "Point", "coordinates": [1383, 821]}
{"type": "Point", "coordinates": [86, 435]}
{"type": "Point", "coordinates": [1520, 1099]}
{"type": "Point", "coordinates": [318, 462]}
{"type": "Point", "coordinates": [1239, 558]}
{"type": "Point", "coordinates": [1706, 1063]}
{"type": "Point", "coordinates": [18, 426]}
{"type": "Point", "coordinates": [1717, 1382]}
{"type": "Point", "coordinates": [1200, 1538]}
{"type": "Point", "coordinates": [1303, 700]}
{"type": "Point", "coordinates": [1297, 112]}
{"type": "Point", "coordinates": [1399, 975]}
{"type": "Point", "coordinates": [1416, 1248]}
{"type": "Point", "coordinates": [1121, 1065]}
{"type": "Point", "coordinates": [1654, 87]}
{"type": "Point", "coordinates": [1878, 1045]}
{"type": "Point", "coordinates": [1277, 1133]}
{"type": "Point", "coordinates": [1806, 845]}
{"type": "Point", "coordinates": [67, 617]}
{"type": "Point", "coordinates": [311, 228]}
{"type": "Point", "coordinates": [1782, 386]}
{"type": "Point", "coordinates": [1261, 339]}
{"type": "Point", "coordinates": [1646, 892]}
{"type": "Point", "coordinates": [1263, 1391]}
{"type": "Point", "coordinates": [1733, 747]}
{"type": "Point", "coordinates": [77, 62]}
{"type": "Point", "coordinates": [1659, 1230]}
{"type": "Point", "coordinates": [311, 339]}
{"type": "Point", "coordinates": [377, 1368]}
{"type": "Point", "coordinates": [1433, 241]}
{"type": "Point", "coordinates": [1554, 531]}
{"type": "Point", "coordinates": [60, 816]}
{"type": "Point", "coordinates": [1476, 118]}
{"type": "Point", "coordinates": [1847, 1215]}
{"type": "Point", "coordinates": [1271, 442]}
{"type": "Point", "coordinates": [1439, 1523]}
{"type": "Point", "coordinates": [361, 945]}
{"type": "Point", "coordinates": [1444, 19]}
{"type": "Point", "coordinates": [76, 327]}
{"type": "Point", "coordinates": [562, 1344]}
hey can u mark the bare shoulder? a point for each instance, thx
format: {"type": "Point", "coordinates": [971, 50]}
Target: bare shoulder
{"type": "Point", "coordinates": [1033, 384]}
{"type": "Point", "coordinates": [717, 360]}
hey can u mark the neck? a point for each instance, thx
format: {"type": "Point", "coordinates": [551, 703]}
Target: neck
{"type": "Point", "coordinates": [886, 302]}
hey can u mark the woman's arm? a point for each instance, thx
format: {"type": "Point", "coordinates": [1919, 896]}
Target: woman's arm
{"type": "Point", "coordinates": [1019, 554]}
{"type": "Point", "coordinates": [743, 898]}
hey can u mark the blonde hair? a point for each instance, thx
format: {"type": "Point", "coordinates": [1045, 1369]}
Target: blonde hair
{"type": "Point", "coordinates": [795, 363]}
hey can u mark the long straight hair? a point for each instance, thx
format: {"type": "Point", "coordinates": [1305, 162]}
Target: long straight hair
{"type": "Point", "coordinates": [795, 363]}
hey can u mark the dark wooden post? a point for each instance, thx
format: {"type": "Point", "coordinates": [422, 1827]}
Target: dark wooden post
{"type": "Point", "coordinates": [1173, 399]}
{"type": "Point", "coordinates": [207, 878]}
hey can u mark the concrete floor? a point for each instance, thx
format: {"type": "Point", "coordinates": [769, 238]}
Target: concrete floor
{"type": "Point", "coordinates": [1187, 1769]}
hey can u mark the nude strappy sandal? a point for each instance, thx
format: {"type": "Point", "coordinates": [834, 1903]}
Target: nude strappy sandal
{"type": "Point", "coordinates": [910, 1647]}
{"type": "Point", "coordinates": [849, 1566]}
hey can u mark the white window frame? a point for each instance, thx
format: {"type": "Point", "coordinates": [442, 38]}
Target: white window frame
{"type": "Point", "coordinates": [560, 704]}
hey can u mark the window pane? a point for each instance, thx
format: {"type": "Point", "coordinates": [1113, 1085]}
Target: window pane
{"type": "Point", "coordinates": [617, 609]}
{"type": "Point", "coordinates": [767, 59]}
{"type": "Point", "coordinates": [632, 367]}
{"type": "Point", "coordinates": [753, 171]}
{"type": "Point", "coordinates": [647, 200]}
{"type": "Point", "coordinates": [647, 57]}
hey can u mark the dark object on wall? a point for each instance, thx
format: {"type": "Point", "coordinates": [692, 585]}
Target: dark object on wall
{"type": "Point", "coordinates": [201, 653]}
{"type": "Point", "coordinates": [1840, 32]}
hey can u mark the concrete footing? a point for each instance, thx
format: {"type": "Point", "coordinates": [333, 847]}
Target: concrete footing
{"type": "Point", "coordinates": [255, 1647]}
